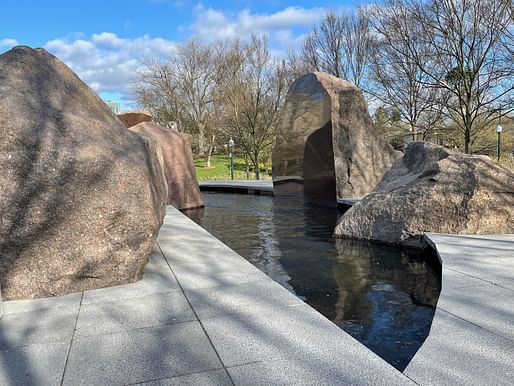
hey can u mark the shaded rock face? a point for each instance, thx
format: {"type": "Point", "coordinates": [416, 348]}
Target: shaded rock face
{"type": "Point", "coordinates": [183, 189]}
{"type": "Point", "coordinates": [133, 118]}
{"type": "Point", "coordinates": [431, 189]}
{"type": "Point", "coordinates": [81, 201]}
{"type": "Point", "coordinates": [326, 145]}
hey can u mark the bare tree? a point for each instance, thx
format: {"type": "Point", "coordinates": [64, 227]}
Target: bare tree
{"type": "Point", "coordinates": [339, 46]}
{"type": "Point", "coordinates": [462, 52]}
{"type": "Point", "coordinates": [253, 96]}
{"type": "Point", "coordinates": [396, 80]}
{"type": "Point", "coordinates": [184, 90]}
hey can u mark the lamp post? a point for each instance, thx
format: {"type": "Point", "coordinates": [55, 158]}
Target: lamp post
{"type": "Point", "coordinates": [231, 144]}
{"type": "Point", "coordinates": [499, 130]}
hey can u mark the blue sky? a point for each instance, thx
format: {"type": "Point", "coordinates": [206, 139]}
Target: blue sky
{"type": "Point", "coordinates": [104, 40]}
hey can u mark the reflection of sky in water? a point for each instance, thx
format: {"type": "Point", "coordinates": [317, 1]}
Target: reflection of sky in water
{"type": "Point", "coordinates": [382, 296]}
{"type": "Point", "coordinates": [393, 321]}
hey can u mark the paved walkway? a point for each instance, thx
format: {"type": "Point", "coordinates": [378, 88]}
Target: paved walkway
{"type": "Point", "coordinates": [471, 341]}
{"type": "Point", "coordinates": [250, 186]}
{"type": "Point", "coordinates": [201, 315]}
{"type": "Point", "coordinates": [256, 187]}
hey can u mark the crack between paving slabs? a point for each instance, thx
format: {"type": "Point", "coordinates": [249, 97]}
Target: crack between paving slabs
{"type": "Point", "coordinates": [196, 315]}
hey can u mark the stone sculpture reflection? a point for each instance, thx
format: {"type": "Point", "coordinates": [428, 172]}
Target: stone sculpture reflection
{"type": "Point", "coordinates": [326, 145]}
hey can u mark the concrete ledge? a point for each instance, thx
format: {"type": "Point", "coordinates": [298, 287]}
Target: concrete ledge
{"type": "Point", "coordinates": [263, 187]}
{"type": "Point", "coordinates": [258, 187]}
{"type": "Point", "coordinates": [471, 341]}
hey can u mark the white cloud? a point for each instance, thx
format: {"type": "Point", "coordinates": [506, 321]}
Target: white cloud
{"type": "Point", "coordinates": [107, 62]}
{"type": "Point", "coordinates": [8, 43]}
{"type": "Point", "coordinates": [212, 24]}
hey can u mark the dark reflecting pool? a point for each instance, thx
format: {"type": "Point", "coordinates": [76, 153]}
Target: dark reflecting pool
{"type": "Point", "coordinates": [382, 296]}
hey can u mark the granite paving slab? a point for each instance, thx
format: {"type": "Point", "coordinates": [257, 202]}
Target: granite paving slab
{"type": "Point", "coordinates": [208, 378]}
{"type": "Point", "coordinates": [458, 352]}
{"type": "Point", "coordinates": [262, 185]}
{"type": "Point", "coordinates": [471, 340]}
{"type": "Point", "coordinates": [133, 313]}
{"type": "Point", "coordinates": [71, 302]}
{"type": "Point", "coordinates": [140, 355]}
{"type": "Point", "coordinates": [259, 297]}
{"type": "Point", "coordinates": [35, 364]}
{"type": "Point", "coordinates": [42, 326]}
{"type": "Point", "coordinates": [488, 306]}
{"type": "Point", "coordinates": [157, 279]}
{"type": "Point", "coordinates": [455, 279]}
{"type": "Point", "coordinates": [293, 371]}
{"type": "Point", "coordinates": [304, 338]}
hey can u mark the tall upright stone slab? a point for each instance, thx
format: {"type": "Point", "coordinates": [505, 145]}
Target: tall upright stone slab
{"type": "Point", "coordinates": [82, 198]}
{"type": "Point", "coordinates": [183, 189]}
{"type": "Point", "coordinates": [326, 145]}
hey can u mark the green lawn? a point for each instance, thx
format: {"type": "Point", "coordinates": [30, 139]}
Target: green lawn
{"type": "Point", "coordinates": [220, 169]}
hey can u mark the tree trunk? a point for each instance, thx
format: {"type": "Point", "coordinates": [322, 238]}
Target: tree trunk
{"type": "Point", "coordinates": [201, 139]}
{"type": "Point", "coordinates": [211, 148]}
{"type": "Point", "coordinates": [414, 131]}
{"type": "Point", "coordinates": [467, 140]}
{"type": "Point", "coordinates": [257, 175]}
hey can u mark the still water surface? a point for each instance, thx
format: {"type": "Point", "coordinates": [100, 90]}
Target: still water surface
{"type": "Point", "coordinates": [383, 296]}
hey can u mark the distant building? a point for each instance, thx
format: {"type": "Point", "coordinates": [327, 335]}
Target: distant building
{"type": "Point", "coordinates": [114, 106]}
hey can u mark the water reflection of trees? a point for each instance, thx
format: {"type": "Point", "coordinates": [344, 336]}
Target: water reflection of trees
{"type": "Point", "coordinates": [360, 266]}
{"type": "Point", "coordinates": [383, 296]}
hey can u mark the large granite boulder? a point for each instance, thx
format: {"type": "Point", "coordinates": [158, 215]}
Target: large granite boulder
{"type": "Point", "coordinates": [326, 145]}
{"type": "Point", "coordinates": [132, 118]}
{"type": "Point", "coordinates": [432, 189]}
{"type": "Point", "coordinates": [81, 200]}
{"type": "Point", "coordinates": [183, 189]}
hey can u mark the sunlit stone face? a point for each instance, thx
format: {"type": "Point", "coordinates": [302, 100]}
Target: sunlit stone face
{"type": "Point", "coordinates": [326, 147]}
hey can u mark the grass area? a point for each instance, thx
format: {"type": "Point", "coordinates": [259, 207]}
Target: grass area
{"type": "Point", "coordinates": [220, 169]}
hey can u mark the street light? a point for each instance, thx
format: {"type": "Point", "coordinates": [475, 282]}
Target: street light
{"type": "Point", "coordinates": [499, 130]}
{"type": "Point", "coordinates": [231, 144]}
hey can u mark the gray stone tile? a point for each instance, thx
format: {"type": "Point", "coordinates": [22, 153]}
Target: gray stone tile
{"type": "Point", "coordinates": [157, 279]}
{"type": "Point", "coordinates": [140, 355]}
{"type": "Point", "coordinates": [487, 306]}
{"type": "Point", "coordinates": [459, 353]}
{"type": "Point", "coordinates": [454, 279]}
{"type": "Point", "coordinates": [494, 270]}
{"type": "Point", "coordinates": [209, 378]}
{"type": "Point", "coordinates": [127, 314]}
{"type": "Point", "coordinates": [296, 371]}
{"type": "Point", "coordinates": [299, 335]}
{"type": "Point", "coordinates": [195, 248]}
{"type": "Point", "coordinates": [24, 328]}
{"type": "Point", "coordinates": [71, 301]}
{"type": "Point", "coordinates": [483, 246]}
{"type": "Point", "coordinates": [256, 297]}
{"type": "Point", "coordinates": [37, 364]}
{"type": "Point", "coordinates": [208, 275]}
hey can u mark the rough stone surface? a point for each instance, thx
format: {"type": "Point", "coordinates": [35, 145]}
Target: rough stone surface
{"type": "Point", "coordinates": [81, 200]}
{"type": "Point", "coordinates": [134, 117]}
{"type": "Point", "coordinates": [183, 189]}
{"type": "Point", "coordinates": [327, 142]}
{"type": "Point", "coordinates": [432, 189]}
